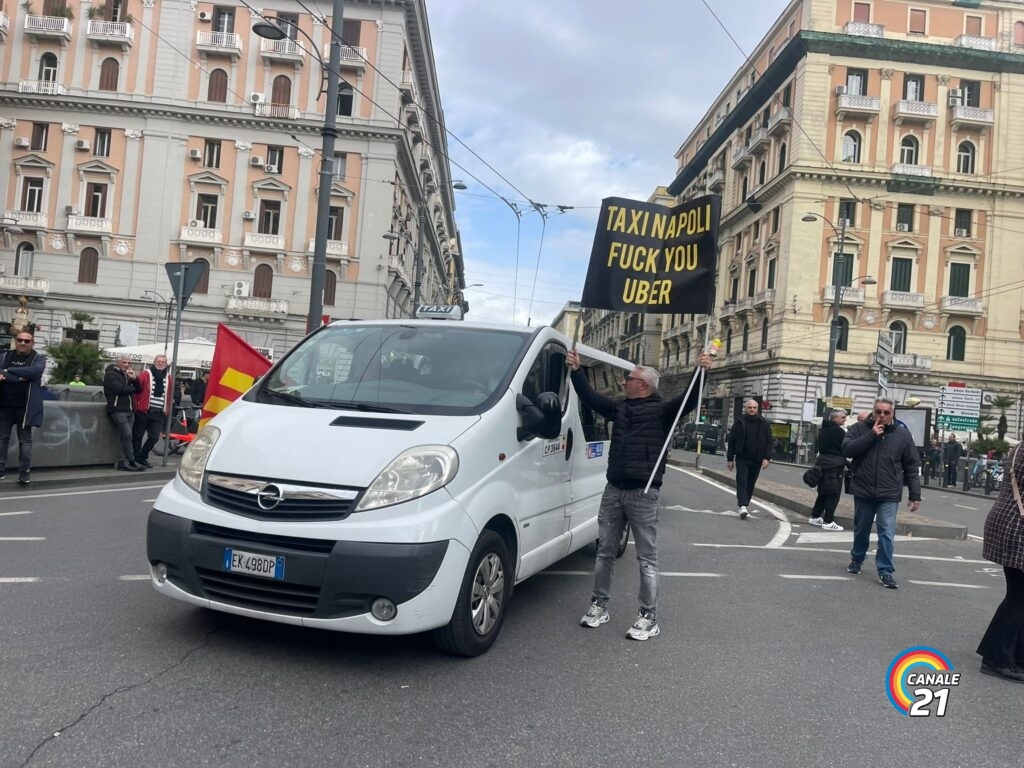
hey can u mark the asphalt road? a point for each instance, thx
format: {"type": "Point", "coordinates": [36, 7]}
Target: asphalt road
{"type": "Point", "coordinates": [770, 655]}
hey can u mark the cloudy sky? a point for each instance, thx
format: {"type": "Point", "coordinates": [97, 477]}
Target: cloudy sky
{"type": "Point", "coordinates": [570, 102]}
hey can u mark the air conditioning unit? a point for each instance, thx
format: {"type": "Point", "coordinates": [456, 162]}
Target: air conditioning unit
{"type": "Point", "coordinates": [205, 16]}
{"type": "Point", "coordinates": [961, 233]}
{"type": "Point", "coordinates": [954, 101]}
{"type": "Point", "coordinates": [195, 223]}
{"type": "Point", "coordinates": [82, 144]}
{"type": "Point", "coordinates": [955, 93]}
{"type": "Point", "coordinates": [241, 288]}
{"type": "Point", "coordinates": [902, 227]}
{"type": "Point", "coordinates": [195, 154]}
{"type": "Point", "coordinates": [840, 90]}
{"type": "Point", "coordinates": [248, 215]}
{"type": "Point", "coordinates": [257, 98]}
{"type": "Point", "coordinates": [271, 169]}
{"type": "Point", "coordinates": [21, 142]}
{"type": "Point", "coordinates": [256, 161]}
{"type": "Point", "coordinates": [70, 210]}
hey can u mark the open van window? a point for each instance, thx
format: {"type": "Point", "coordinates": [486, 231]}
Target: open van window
{"type": "Point", "coordinates": [442, 369]}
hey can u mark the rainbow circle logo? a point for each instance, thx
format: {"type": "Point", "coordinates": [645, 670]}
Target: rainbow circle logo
{"type": "Point", "coordinates": [920, 658]}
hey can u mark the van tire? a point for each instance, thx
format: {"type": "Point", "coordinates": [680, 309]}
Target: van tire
{"type": "Point", "coordinates": [489, 572]}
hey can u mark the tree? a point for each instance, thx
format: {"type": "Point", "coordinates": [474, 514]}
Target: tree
{"type": "Point", "coordinates": [73, 358]}
{"type": "Point", "coordinates": [1002, 402]}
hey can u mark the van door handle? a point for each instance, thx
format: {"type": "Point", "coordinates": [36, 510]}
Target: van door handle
{"type": "Point", "coordinates": [568, 445]}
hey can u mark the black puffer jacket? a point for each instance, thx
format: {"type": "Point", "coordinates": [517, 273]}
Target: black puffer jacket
{"type": "Point", "coordinates": [641, 428]}
{"type": "Point", "coordinates": [830, 457]}
{"type": "Point", "coordinates": [883, 464]}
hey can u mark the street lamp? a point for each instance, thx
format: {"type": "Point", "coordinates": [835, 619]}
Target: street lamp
{"type": "Point", "coordinates": [271, 31]}
{"type": "Point", "coordinates": [167, 323]}
{"type": "Point", "coordinates": [837, 294]}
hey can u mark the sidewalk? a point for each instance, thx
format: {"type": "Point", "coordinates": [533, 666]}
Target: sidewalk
{"type": "Point", "coordinates": [71, 478]}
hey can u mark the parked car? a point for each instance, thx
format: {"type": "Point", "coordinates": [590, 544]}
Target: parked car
{"type": "Point", "coordinates": [686, 438]}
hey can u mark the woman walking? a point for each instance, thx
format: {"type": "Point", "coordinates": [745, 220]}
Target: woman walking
{"type": "Point", "coordinates": [1002, 647]}
{"type": "Point", "coordinates": [831, 463]}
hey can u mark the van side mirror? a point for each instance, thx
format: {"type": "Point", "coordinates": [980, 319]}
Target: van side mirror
{"type": "Point", "coordinates": [542, 417]}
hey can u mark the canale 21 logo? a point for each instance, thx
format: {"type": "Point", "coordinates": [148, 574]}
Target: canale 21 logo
{"type": "Point", "coordinates": [918, 682]}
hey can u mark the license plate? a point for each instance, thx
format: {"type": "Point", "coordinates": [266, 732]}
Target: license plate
{"type": "Point", "coordinates": [267, 566]}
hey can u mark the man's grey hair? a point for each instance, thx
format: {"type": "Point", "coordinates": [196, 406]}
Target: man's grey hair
{"type": "Point", "coordinates": [124, 357]}
{"type": "Point", "coordinates": [887, 401]}
{"type": "Point", "coordinates": [650, 376]}
{"type": "Point", "coordinates": [837, 412]}
{"type": "Point", "coordinates": [750, 400]}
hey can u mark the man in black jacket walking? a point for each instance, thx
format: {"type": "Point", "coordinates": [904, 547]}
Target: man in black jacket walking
{"type": "Point", "coordinates": [832, 464]}
{"type": "Point", "coordinates": [642, 423]}
{"type": "Point", "coordinates": [884, 460]}
{"type": "Point", "coordinates": [750, 446]}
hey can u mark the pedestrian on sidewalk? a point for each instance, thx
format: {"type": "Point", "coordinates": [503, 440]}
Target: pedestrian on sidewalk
{"type": "Point", "coordinates": [750, 449]}
{"type": "Point", "coordinates": [1002, 647]}
{"type": "Point", "coordinates": [153, 404]}
{"type": "Point", "coordinates": [642, 424]}
{"type": "Point", "coordinates": [884, 460]}
{"type": "Point", "coordinates": [951, 453]}
{"type": "Point", "coordinates": [832, 464]}
{"type": "Point", "coordinates": [120, 382]}
{"type": "Point", "coordinates": [21, 401]}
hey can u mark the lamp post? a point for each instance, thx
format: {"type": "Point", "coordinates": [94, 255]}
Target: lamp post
{"type": "Point", "coordinates": [330, 132]}
{"type": "Point", "coordinates": [167, 322]}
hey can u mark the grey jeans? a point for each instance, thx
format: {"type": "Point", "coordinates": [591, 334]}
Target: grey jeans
{"type": "Point", "coordinates": [641, 511]}
{"type": "Point", "coordinates": [123, 426]}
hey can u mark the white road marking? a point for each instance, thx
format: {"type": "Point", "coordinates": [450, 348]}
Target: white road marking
{"type": "Point", "coordinates": [975, 538]}
{"type": "Point", "coordinates": [945, 584]}
{"type": "Point", "coordinates": [812, 578]}
{"type": "Point", "coordinates": [826, 537]}
{"type": "Point", "coordinates": [660, 573]}
{"type": "Point", "coordinates": [119, 489]}
{"type": "Point", "coordinates": [843, 551]}
{"type": "Point", "coordinates": [18, 580]}
{"type": "Point", "coordinates": [11, 514]}
{"type": "Point", "coordinates": [141, 577]}
{"type": "Point", "coordinates": [566, 573]}
{"type": "Point", "coordinates": [964, 506]}
{"type": "Point", "coordinates": [149, 501]}
{"type": "Point", "coordinates": [22, 538]}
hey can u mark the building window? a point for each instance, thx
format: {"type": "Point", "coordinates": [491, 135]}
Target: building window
{"type": "Point", "coordinates": [23, 260]}
{"type": "Point", "coordinates": [851, 147]}
{"type": "Point", "coordinates": [762, 172]}
{"type": "Point", "coordinates": [281, 95]}
{"type": "Point", "coordinates": [956, 343]}
{"type": "Point", "coordinates": [211, 154]}
{"type": "Point", "coordinates": [206, 211]}
{"type": "Point", "coordinates": [971, 90]}
{"type": "Point", "coordinates": [88, 264]}
{"type": "Point", "coordinates": [751, 283]}
{"type": "Point", "coordinates": [900, 278]}
{"type": "Point", "coordinates": [330, 288]}
{"type": "Point", "coordinates": [746, 337]}
{"type": "Point", "coordinates": [110, 73]}
{"type": "Point", "coordinates": [842, 334]}
{"type": "Point", "coordinates": [335, 222]}
{"type": "Point", "coordinates": [217, 87]}
{"type": "Point", "coordinates": [913, 87]}
{"type": "Point", "coordinates": [40, 137]}
{"type": "Point", "coordinates": [764, 334]}
{"type": "Point", "coordinates": [346, 98]}
{"type": "Point", "coordinates": [686, 348]}
{"type": "Point", "coordinates": [32, 195]}
{"type": "Point", "coordinates": [263, 282]}
{"type": "Point", "coordinates": [965, 157]}
{"type": "Point", "coordinates": [782, 158]}
{"type": "Point", "coordinates": [743, 189]}
{"type": "Point", "coordinates": [48, 68]}
{"type": "Point", "coordinates": [904, 218]}
{"type": "Point", "coordinates": [224, 20]}
{"type": "Point", "coordinates": [1018, 33]}
{"type": "Point", "coordinates": [96, 200]}
{"type": "Point", "coordinates": [728, 341]}
{"type": "Point", "coordinates": [787, 94]}
{"type": "Point", "coordinates": [770, 278]}
{"type": "Point", "coordinates": [203, 286]}
{"type": "Point", "coordinates": [898, 332]}
{"type": "Point", "coordinates": [338, 166]}
{"type": "Point", "coordinates": [972, 25]}
{"type": "Point", "coordinates": [862, 13]}
{"type": "Point", "coordinates": [857, 82]}
{"type": "Point", "coordinates": [289, 22]}
{"type": "Point", "coordinates": [962, 222]}
{"type": "Point", "coordinates": [960, 280]}
{"type": "Point", "coordinates": [909, 150]}
{"type": "Point", "coordinates": [848, 212]}
{"type": "Point", "coordinates": [275, 159]}
{"type": "Point", "coordinates": [842, 269]}
{"type": "Point", "coordinates": [101, 143]}
{"type": "Point", "coordinates": [776, 219]}
{"type": "Point", "coordinates": [734, 289]}
{"type": "Point", "coordinates": [918, 21]}
{"type": "Point", "coordinates": [270, 217]}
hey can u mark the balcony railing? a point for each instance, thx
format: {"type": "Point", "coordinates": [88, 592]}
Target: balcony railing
{"type": "Point", "coordinates": [906, 169]}
{"type": "Point", "coordinates": [264, 241]}
{"type": "Point", "coordinates": [976, 42]}
{"type": "Point", "coordinates": [251, 306]}
{"type": "Point", "coordinates": [111, 32]}
{"type": "Point", "coordinates": [910, 362]}
{"type": "Point", "coordinates": [780, 121]}
{"type": "Point", "coordinates": [848, 294]}
{"type": "Point", "coordinates": [89, 224]}
{"type": "Point", "coordinates": [335, 248]}
{"type": "Point", "coordinates": [351, 56]}
{"type": "Point", "coordinates": [282, 50]}
{"type": "Point", "coordinates": [48, 26]}
{"type": "Point", "coordinates": [42, 87]}
{"type": "Point", "coordinates": [28, 218]}
{"type": "Point", "coordinates": [716, 179]}
{"type": "Point", "coordinates": [408, 85]}
{"type": "Point", "coordinates": [765, 298]}
{"type": "Point", "coordinates": [30, 286]}
{"type": "Point", "coordinates": [902, 299]}
{"type": "Point", "coordinates": [222, 43]}
{"type": "Point", "coordinates": [728, 310]}
{"type": "Point", "coordinates": [277, 111]}
{"type": "Point", "coordinates": [744, 305]}
{"type": "Point", "coordinates": [759, 140]}
{"type": "Point", "coordinates": [961, 305]}
{"type": "Point", "coordinates": [906, 110]}
{"type": "Point", "coordinates": [199, 234]}
{"type": "Point", "coordinates": [738, 358]}
{"type": "Point", "coordinates": [863, 29]}
{"type": "Point", "coordinates": [740, 157]}
{"type": "Point", "coordinates": [972, 116]}
{"type": "Point", "coordinates": [851, 104]}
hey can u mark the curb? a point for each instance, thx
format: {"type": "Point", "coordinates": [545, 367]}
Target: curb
{"type": "Point", "coordinates": [44, 480]}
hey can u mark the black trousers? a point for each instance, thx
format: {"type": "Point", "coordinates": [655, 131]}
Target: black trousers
{"type": "Point", "coordinates": [951, 472]}
{"type": "Point", "coordinates": [1003, 643]}
{"type": "Point", "coordinates": [147, 425]}
{"type": "Point", "coordinates": [825, 506]}
{"type": "Point", "coordinates": [746, 478]}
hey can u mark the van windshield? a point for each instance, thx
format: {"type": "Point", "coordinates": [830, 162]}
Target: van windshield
{"type": "Point", "coordinates": [433, 369]}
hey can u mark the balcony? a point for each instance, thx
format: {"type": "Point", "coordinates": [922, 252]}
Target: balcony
{"type": "Point", "coordinates": [738, 358]}
{"type": "Point", "coordinates": [863, 29]}
{"type": "Point", "coordinates": [48, 27]}
{"type": "Point", "coordinates": [975, 116]}
{"type": "Point", "coordinates": [851, 105]}
{"type": "Point", "coordinates": [42, 87]}
{"type": "Point", "coordinates": [906, 169]}
{"type": "Point", "coordinates": [351, 56]}
{"type": "Point", "coordinates": [760, 140]}
{"type": "Point", "coordinates": [728, 310]}
{"type": "Point", "coordinates": [765, 298]}
{"type": "Point", "coordinates": [199, 234]}
{"type": "Point", "coordinates": [956, 305]}
{"type": "Point", "coordinates": [909, 362]}
{"type": "Point", "coordinates": [24, 286]}
{"type": "Point", "coordinates": [5, 25]}
{"type": "Point", "coordinates": [716, 179]}
{"type": "Point", "coordinates": [976, 42]}
{"type": "Point", "coordinates": [263, 241]}
{"type": "Point", "coordinates": [914, 111]}
{"type": "Point", "coordinates": [743, 306]}
{"type": "Point", "coordinates": [277, 111]}
{"type": "Point", "coordinates": [408, 86]}
{"type": "Point", "coordinates": [779, 122]}
{"type": "Point", "coordinates": [255, 308]}
{"type": "Point", "coordinates": [219, 44]}
{"type": "Point", "coordinates": [335, 248]}
{"type": "Point", "coordinates": [849, 295]}
{"type": "Point", "coordinates": [740, 158]}
{"type": "Point", "coordinates": [902, 300]}
{"type": "Point", "coordinates": [119, 33]}
{"type": "Point", "coordinates": [89, 224]}
{"type": "Point", "coordinates": [282, 50]}
{"type": "Point", "coordinates": [29, 219]}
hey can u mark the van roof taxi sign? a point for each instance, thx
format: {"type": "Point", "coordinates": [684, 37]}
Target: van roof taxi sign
{"type": "Point", "coordinates": [439, 312]}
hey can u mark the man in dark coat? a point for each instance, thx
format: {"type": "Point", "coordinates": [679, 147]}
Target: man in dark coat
{"type": "Point", "coordinates": [884, 460]}
{"type": "Point", "coordinates": [21, 400]}
{"type": "Point", "coordinates": [951, 453]}
{"type": "Point", "coordinates": [642, 424]}
{"type": "Point", "coordinates": [750, 448]}
{"type": "Point", "coordinates": [832, 464]}
{"type": "Point", "coordinates": [120, 383]}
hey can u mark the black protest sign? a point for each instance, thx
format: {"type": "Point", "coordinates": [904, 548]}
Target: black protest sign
{"type": "Point", "coordinates": [651, 258]}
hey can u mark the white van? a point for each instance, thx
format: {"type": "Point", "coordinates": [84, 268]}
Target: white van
{"type": "Point", "coordinates": [389, 477]}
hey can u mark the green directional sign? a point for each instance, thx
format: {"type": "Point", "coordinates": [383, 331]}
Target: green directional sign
{"type": "Point", "coordinates": [958, 423]}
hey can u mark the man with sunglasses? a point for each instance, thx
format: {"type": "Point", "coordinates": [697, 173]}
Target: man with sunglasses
{"type": "Point", "coordinates": [884, 460]}
{"type": "Point", "coordinates": [21, 401]}
{"type": "Point", "coordinates": [642, 423]}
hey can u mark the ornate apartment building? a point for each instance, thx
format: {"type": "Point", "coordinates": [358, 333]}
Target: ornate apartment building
{"type": "Point", "coordinates": [136, 133]}
{"type": "Point", "coordinates": [892, 126]}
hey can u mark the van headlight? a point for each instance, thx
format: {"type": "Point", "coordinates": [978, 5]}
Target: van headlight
{"type": "Point", "coordinates": [416, 472]}
{"type": "Point", "coordinates": [193, 461]}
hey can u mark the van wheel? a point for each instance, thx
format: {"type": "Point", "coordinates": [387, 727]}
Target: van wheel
{"type": "Point", "coordinates": [483, 596]}
{"type": "Point", "coordinates": [623, 541]}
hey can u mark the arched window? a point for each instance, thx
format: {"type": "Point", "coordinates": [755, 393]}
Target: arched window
{"type": "Point", "coordinates": [330, 288]}
{"type": "Point", "coordinates": [909, 150]}
{"type": "Point", "coordinates": [217, 89]}
{"type": "Point", "coordinates": [782, 158]}
{"type": "Point", "coordinates": [956, 343]}
{"type": "Point", "coordinates": [762, 173]}
{"type": "Point", "coordinates": [898, 331]}
{"type": "Point", "coordinates": [88, 265]}
{"type": "Point", "coordinates": [23, 260]}
{"type": "Point", "coordinates": [1018, 33]}
{"type": "Point", "coordinates": [965, 157]}
{"type": "Point", "coordinates": [48, 68]}
{"type": "Point", "coordinates": [843, 335]}
{"type": "Point", "coordinates": [728, 341]}
{"type": "Point", "coordinates": [281, 91]}
{"type": "Point", "coordinates": [851, 147]}
{"type": "Point", "coordinates": [345, 99]}
{"type": "Point", "coordinates": [746, 336]}
{"type": "Point", "coordinates": [203, 286]}
{"type": "Point", "coordinates": [110, 73]}
{"type": "Point", "coordinates": [764, 334]}
{"type": "Point", "coordinates": [743, 190]}
{"type": "Point", "coordinates": [263, 283]}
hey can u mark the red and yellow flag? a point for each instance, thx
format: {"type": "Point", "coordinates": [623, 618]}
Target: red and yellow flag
{"type": "Point", "coordinates": [235, 367]}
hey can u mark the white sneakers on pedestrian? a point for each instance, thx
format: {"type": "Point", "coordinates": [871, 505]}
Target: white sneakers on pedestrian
{"type": "Point", "coordinates": [644, 628]}
{"type": "Point", "coordinates": [595, 616]}
{"type": "Point", "coordinates": [818, 521]}
{"type": "Point", "coordinates": [833, 526]}
{"type": "Point", "coordinates": [743, 513]}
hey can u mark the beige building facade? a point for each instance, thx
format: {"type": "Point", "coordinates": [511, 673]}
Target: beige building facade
{"type": "Point", "coordinates": [137, 133]}
{"type": "Point", "coordinates": [867, 149]}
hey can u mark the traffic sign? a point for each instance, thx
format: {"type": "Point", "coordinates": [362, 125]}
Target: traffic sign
{"type": "Point", "coordinates": [959, 423]}
{"type": "Point", "coordinates": [884, 350]}
{"type": "Point", "coordinates": [883, 382]}
{"type": "Point", "coordinates": [185, 284]}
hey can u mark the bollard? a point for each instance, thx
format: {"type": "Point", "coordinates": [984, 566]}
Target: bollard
{"type": "Point", "coordinates": [927, 472]}
{"type": "Point", "coordinates": [696, 461]}
{"type": "Point", "coordinates": [967, 477]}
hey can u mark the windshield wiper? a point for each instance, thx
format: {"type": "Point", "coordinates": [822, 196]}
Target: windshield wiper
{"type": "Point", "coordinates": [370, 407]}
{"type": "Point", "coordinates": [288, 397]}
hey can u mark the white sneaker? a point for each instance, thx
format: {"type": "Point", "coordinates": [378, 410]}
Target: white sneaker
{"type": "Point", "coordinates": [743, 513]}
{"type": "Point", "coordinates": [818, 521]}
{"type": "Point", "coordinates": [833, 526]}
{"type": "Point", "coordinates": [643, 628]}
{"type": "Point", "coordinates": [595, 616]}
